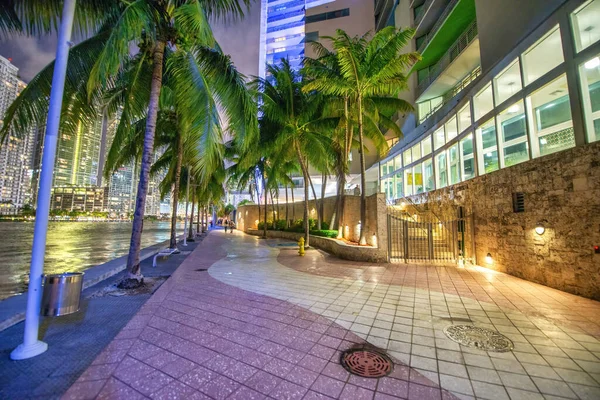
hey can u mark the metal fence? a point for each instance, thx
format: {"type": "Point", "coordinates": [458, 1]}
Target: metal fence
{"type": "Point", "coordinates": [424, 237]}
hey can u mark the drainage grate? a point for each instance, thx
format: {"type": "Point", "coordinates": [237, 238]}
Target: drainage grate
{"type": "Point", "coordinates": [481, 338]}
{"type": "Point", "coordinates": [367, 363]}
{"type": "Point", "coordinates": [201, 269]}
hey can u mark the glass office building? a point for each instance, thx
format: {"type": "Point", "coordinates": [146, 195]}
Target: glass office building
{"type": "Point", "coordinates": [282, 31]}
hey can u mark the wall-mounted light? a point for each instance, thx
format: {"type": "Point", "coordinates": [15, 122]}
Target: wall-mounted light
{"type": "Point", "coordinates": [540, 227]}
{"type": "Point", "coordinates": [489, 259]}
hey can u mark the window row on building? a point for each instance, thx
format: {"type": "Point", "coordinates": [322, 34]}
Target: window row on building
{"type": "Point", "coordinates": [523, 112]}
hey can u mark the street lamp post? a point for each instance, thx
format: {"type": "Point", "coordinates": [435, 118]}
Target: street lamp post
{"type": "Point", "coordinates": [31, 345]}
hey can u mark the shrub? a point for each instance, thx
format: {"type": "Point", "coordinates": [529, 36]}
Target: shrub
{"type": "Point", "coordinates": [324, 226]}
{"type": "Point", "coordinates": [325, 233]}
{"type": "Point", "coordinates": [280, 224]}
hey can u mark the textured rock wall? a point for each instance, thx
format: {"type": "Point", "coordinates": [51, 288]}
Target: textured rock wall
{"type": "Point", "coordinates": [562, 189]}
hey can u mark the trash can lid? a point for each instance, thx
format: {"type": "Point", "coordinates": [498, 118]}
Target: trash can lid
{"type": "Point", "coordinates": [64, 274]}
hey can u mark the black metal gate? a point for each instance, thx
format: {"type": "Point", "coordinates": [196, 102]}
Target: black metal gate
{"type": "Point", "coordinates": [423, 237]}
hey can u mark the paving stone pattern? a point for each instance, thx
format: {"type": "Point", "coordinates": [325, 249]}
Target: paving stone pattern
{"type": "Point", "coordinates": [200, 338]}
{"type": "Point", "coordinates": [404, 309]}
{"type": "Point", "coordinates": [74, 340]}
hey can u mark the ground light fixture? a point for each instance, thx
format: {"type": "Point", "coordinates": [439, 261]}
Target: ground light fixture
{"type": "Point", "coordinates": [540, 227]}
{"type": "Point", "coordinates": [489, 259]}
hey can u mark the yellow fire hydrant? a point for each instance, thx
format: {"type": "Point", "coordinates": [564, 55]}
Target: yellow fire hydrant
{"type": "Point", "coordinates": [301, 246]}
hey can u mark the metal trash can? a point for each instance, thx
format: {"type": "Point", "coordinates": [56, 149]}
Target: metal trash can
{"type": "Point", "coordinates": [61, 294]}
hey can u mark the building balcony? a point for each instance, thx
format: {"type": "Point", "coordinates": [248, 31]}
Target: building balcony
{"type": "Point", "coordinates": [457, 63]}
{"type": "Point", "coordinates": [427, 14]}
{"type": "Point", "coordinates": [455, 18]}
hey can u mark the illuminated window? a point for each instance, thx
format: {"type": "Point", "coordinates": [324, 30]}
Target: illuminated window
{"type": "Point", "coordinates": [464, 118]}
{"type": "Point", "coordinates": [426, 146]}
{"type": "Point", "coordinates": [467, 158]}
{"type": "Point", "coordinates": [543, 56]}
{"type": "Point", "coordinates": [513, 129]}
{"type": "Point", "coordinates": [586, 24]}
{"type": "Point", "coordinates": [487, 147]}
{"type": "Point", "coordinates": [551, 126]}
{"type": "Point", "coordinates": [441, 167]}
{"type": "Point", "coordinates": [439, 138]}
{"type": "Point", "coordinates": [590, 82]}
{"type": "Point", "coordinates": [483, 102]}
{"type": "Point", "coordinates": [451, 129]}
{"type": "Point", "coordinates": [508, 82]}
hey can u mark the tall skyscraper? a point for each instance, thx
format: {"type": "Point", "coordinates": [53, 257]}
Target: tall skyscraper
{"type": "Point", "coordinates": [287, 26]}
{"type": "Point", "coordinates": [15, 152]}
{"type": "Point", "coordinates": [78, 156]}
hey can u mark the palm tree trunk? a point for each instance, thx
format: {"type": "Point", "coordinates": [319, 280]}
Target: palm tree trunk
{"type": "Point", "coordinates": [198, 219]}
{"type": "Point", "coordinates": [273, 208]}
{"type": "Point", "coordinates": [264, 181]}
{"type": "Point", "coordinates": [314, 193]}
{"type": "Point", "coordinates": [191, 231]}
{"type": "Point", "coordinates": [293, 205]}
{"type": "Point", "coordinates": [363, 176]}
{"type": "Point", "coordinates": [342, 170]}
{"type": "Point", "coordinates": [340, 201]}
{"type": "Point", "coordinates": [287, 217]}
{"type": "Point", "coordinates": [175, 199]}
{"type": "Point", "coordinates": [322, 205]}
{"type": "Point", "coordinates": [133, 259]}
{"type": "Point", "coordinates": [306, 180]}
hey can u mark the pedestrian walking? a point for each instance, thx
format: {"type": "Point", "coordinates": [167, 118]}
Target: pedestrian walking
{"type": "Point", "coordinates": [225, 225]}
{"type": "Point", "coordinates": [231, 226]}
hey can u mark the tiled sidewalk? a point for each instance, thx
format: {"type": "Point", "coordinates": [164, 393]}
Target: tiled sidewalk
{"type": "Point", "coordinates": [200, 336]}
{"type": "Point", "coordinates": [404, 309]}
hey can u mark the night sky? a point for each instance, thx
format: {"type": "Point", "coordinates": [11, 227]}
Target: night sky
{"type": "Point", "coordinates": [239, 39]}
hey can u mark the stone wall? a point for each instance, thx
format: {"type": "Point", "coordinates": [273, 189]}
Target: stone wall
{"type": "Point", "coordinates": [376, 223]}
{"type": "Point", "coordinates": [562, 189]}
{"type": "Point", "coordinates": [336, 247]}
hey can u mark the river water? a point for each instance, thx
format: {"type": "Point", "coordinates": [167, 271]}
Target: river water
{"type": "Point", "coordinates": [71, 246]}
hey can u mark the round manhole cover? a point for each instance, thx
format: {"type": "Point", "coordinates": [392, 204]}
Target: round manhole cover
{"type": "Point", "coordinates": [367, 363]}
{"type": "Point", "coordinates": [481, 338]}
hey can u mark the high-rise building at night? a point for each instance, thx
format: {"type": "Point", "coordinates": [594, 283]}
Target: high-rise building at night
{"type": "Point", "coordinates": [78, 156]}
{"type": "Point", "coordinates": [287, 27]}
{"type": "Point", "coordinates": [16, 152]}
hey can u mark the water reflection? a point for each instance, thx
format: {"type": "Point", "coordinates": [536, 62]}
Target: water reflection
{"type": "Point", "coordinates": [71, 246]}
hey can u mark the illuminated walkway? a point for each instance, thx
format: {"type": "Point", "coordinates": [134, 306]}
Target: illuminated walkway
{"type": "Point", "coordinates": [201, 336]}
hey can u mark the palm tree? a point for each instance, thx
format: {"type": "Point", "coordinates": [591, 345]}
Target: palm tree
{"type": "Point", "coordinates": [168, 33]}
{"type": "Point", "coordinates": [370, 73]}
{"type": "Point", "coordinates": [296, 120]}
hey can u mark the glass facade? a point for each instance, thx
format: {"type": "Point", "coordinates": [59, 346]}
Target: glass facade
{"type": "Point", "coordinates": [520, 113]}
{"type": "Point", "coordinates": [488, 147]}
{"type": "Point", "coordinates": [590, 82]}
{"type": "Point", "coordinates": [543, 56]}
{"type": "Point", "coordinates": [586, 21]}
{"type": "Point", "coordinates": [512, 126]}
{"type": "Point", "coordinates": [551, 124]}
{"type": "Point", "coordinates": [483, 102]}
{"type": "Point", "coordinates": [508, 82]}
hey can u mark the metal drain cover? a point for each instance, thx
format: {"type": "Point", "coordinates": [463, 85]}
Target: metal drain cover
{"type": "Point", "coordinates": [367, 363]}
{"type": "Point", "coordinates": [481, 338]}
